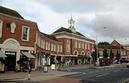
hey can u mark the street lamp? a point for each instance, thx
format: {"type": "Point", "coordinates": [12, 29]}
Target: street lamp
{"type": "Point", "coordinates": [97, 50]}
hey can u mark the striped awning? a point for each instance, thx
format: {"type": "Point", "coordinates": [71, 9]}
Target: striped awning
{"type": "Point", "coordinates": [2, 55]}
{"type": "Point", "coordinates": [29, 55]}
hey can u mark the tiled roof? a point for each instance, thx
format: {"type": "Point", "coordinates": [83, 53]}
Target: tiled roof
{"type": "Point", "coordinates": [49, 36]}
{"type": "Point", "coordinates": [62, 29]}
{"type": "Point", "coordinates": [10, 12]}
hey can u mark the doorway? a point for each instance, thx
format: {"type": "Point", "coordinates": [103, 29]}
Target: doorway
{"type": "Point", "coordinates": [10, 61]}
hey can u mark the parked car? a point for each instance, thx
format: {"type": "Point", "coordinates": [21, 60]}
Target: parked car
{"type": "Point", "coordinates": [124, 60]}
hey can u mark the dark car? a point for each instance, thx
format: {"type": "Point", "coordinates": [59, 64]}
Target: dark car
{"type": "Point", "coordinates": [124, 60]}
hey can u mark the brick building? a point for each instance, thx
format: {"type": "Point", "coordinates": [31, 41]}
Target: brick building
{"type": "Point", "coordinates": [76, 47]}
{"type": "Point", "coordinates": [21, 40]}
{"type": "Point", "coordinates": [116, 48]}
{"type": "Point", "coordinates": [17, 37]}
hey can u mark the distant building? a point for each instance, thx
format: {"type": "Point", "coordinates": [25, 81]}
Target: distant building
{"type": "Point", "coordinates": [116, 49]}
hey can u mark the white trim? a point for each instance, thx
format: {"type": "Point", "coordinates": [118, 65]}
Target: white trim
{"type": "Point", "coordinates": [65, 36]}
{"type": "Point", "coordinates": [83, 52]}
{"type": "Point", "coordinates": [1, 26]}
{"type": "Point", "coordinates": [75, 51]}
{"type": "Point", "coordinates": [26, 48]}
{"type": "Point", "coordinates": [28, 33]}
{"type": "Point", "coordinates": [10, 39]}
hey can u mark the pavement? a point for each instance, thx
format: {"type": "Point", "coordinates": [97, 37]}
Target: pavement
{"type": "Point", "coordinates": [50, 77]}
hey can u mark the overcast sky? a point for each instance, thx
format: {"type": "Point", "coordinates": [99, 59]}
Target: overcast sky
{"type": "Point", "coordinates": [104, 19]}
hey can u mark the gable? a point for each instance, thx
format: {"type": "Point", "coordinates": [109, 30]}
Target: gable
{"type": "Point", "coordinates": [115, 43]}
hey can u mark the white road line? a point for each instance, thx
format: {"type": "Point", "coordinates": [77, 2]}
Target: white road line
{"type": "Point", "coordinates": [100, 75]}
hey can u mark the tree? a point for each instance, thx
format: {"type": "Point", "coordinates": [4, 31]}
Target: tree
{"type": "Point", "coordinates": [94, 56]}
{"type": "Point", "coordinates": [118, 56]}
{"type": "Point", "coordinates": [105, 56]}
{"type": "Point", "coordinates": [111, 54]}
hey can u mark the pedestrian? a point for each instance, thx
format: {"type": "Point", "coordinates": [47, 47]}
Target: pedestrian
{"type": "Point", "coordinates": [29, 69]}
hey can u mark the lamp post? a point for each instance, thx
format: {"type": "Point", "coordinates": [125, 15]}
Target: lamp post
{"type": "Point", "coordinates": [97, 50]}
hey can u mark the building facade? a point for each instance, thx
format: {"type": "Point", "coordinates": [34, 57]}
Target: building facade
{"type": "Point", "coordinates": [116, 48]}
{"type": "Point", "coordinates": [76, 47]}
{"type": "Point", "coordinates": [21, 43]}
{"type": "Point", "coordinates": [17, 37]}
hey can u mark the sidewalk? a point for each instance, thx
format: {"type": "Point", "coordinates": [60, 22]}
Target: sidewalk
{"type": "Point", "coordinates": [35, 75]}
{"type": "Point", "coordinates": [42, 76]}
{"type": "Point", "coordinates": [110, 66]}
{"type": "Point", "coordinates": [68, 69]}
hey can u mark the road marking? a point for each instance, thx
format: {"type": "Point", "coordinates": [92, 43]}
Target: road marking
{"type": "Point", "coordinates": [100, 75]}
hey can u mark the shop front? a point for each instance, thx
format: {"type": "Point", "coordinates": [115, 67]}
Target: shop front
{"type": "Point", "coordinates": [12, 50]}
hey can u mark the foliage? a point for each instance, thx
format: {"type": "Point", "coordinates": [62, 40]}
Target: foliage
{"type": "Point", "coordinates": [105, 57]}
{"type": "Point", "coordinates": [111, 54]}
{"type": "Point", "coordinates": [105, 54]}
{"type": "Point", "coordinates": [94, 56]}
{"type": "Point", "coordinates": [23, 63]}
{"type": "Point", "coordinates": [103, 43]}
{"type": "Point", "coordinates": [118, 56]}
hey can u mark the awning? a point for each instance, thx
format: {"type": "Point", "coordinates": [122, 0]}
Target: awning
{"type": "Point", "coordinates": [28, 55]}
{"type": "Point", "coordinates": [2, 55]}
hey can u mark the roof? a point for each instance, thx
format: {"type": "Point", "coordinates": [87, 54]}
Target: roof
{"type": "Point", "coordinates": [49, 36]}
{"type": "Point", "coordinates": [10, 12]}
{"type": "Point", "coordinates": [62, 29]}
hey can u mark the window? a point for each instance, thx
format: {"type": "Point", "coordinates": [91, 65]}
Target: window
{"type": "Point", "coordinates": [79, 44]}
{"type": "Point", "coordinates": [75, 44]}
{"type": "Point", "coordinates": [1, 26]}
{"type": "Point", "coordinates": [54, 47]}
{"type": "Point", "coordinates": [88, 46]}
{"type": "Point", "coordinates": [43, 44]}
{"type": "Point", "coordinates": [61, 50]}
{"type": "Point", "coordinates": [85, 45]}
{"type": "Point", "coordinates": [51, 47]}
{"type": "Point", "coordinates": [25, 33]}
{"type": "Point", "coordinates": [82, 45]}
{"type": "Point", "coordinates": [58, 48]}
{"type": "Point", "coordinates": [46, 46]}
{"type": "Point", "coordinates": [68, 46]}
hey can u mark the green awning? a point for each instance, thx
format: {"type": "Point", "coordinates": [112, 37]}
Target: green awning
{"type": "Point", "coordinates": [29, 55]}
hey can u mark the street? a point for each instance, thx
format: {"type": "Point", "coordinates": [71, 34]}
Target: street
{"type": "Point", "coordinates": [115, 74]}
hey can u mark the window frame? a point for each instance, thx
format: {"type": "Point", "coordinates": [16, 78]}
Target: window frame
{"type": "Point", "coordinates": [28, 33]}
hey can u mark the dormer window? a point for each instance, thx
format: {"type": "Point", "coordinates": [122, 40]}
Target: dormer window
{"type": "Point", "coordinates": [25, 33]}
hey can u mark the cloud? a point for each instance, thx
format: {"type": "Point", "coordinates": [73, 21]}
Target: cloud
{"type": "Point", "coordinates": [91, 16]}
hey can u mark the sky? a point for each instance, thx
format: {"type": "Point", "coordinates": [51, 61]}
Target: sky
{"type": "Point", "coordinates": [101, 20]}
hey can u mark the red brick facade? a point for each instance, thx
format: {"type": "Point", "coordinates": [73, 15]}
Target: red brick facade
{"type": "Point", "coordinates": [6, 30]}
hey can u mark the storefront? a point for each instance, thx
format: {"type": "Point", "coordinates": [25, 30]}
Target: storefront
{"type": "Point", "coordinates": [2, 61]}
{"type": "Point", "coordinates": [13, 51]}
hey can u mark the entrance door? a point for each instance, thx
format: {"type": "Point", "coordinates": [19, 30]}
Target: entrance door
{"type": "Point", "coordinates": [10, 61]}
